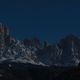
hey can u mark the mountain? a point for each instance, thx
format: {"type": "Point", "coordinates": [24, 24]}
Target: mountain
{"type": "Point", "coordinates": [33, 51]}
{"type": "Point", "coordinates": [70, 47]}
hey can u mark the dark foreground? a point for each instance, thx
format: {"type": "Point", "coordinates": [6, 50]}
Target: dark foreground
{"type": "Point", "coordinates": [17, 71]}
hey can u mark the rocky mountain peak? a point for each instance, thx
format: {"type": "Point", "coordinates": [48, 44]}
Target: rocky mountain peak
{"type": "Point", "coordinates": [71, 37]}
{"type": "Point", "coordinates": [69, 41]}
{"type": "Point", "coordinates": [4, 29]}
{"type": "Point", "coordinates": [4, 34]}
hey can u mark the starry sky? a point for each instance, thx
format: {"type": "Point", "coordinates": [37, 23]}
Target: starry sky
{"type": "Point", "coordinates": [48, 20]}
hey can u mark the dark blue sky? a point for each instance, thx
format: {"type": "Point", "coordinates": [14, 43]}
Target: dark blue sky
{"type": "Point", "coordinates": [46, 19]}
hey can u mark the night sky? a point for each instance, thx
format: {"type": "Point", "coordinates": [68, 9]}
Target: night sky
{"type": "Point", "coordinates": [46, 19]}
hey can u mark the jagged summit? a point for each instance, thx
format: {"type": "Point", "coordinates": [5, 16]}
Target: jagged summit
{"type": "Point", "coordinates": [35, 42]}
{"type": "Point", "coordinates": [72, 37]}
{"type": "Point", "coordinates": [69, 40]}
{"type": "Point", "coordinates": [3, 28]}
{"type": "Point", "coordinates": [4, 34]}
{"type": "Point", "coordinates": [4, 31]}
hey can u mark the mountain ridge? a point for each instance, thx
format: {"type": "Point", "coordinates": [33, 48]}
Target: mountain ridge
{"type": "Point", "coordinates": [64, 53]}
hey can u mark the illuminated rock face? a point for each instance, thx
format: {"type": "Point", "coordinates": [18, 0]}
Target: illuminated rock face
{"type": "Point", "coordinates": [4, 37]}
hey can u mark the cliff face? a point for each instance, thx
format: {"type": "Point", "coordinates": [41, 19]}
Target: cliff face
{"type": "Point", "coordinates": [4, 38]}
